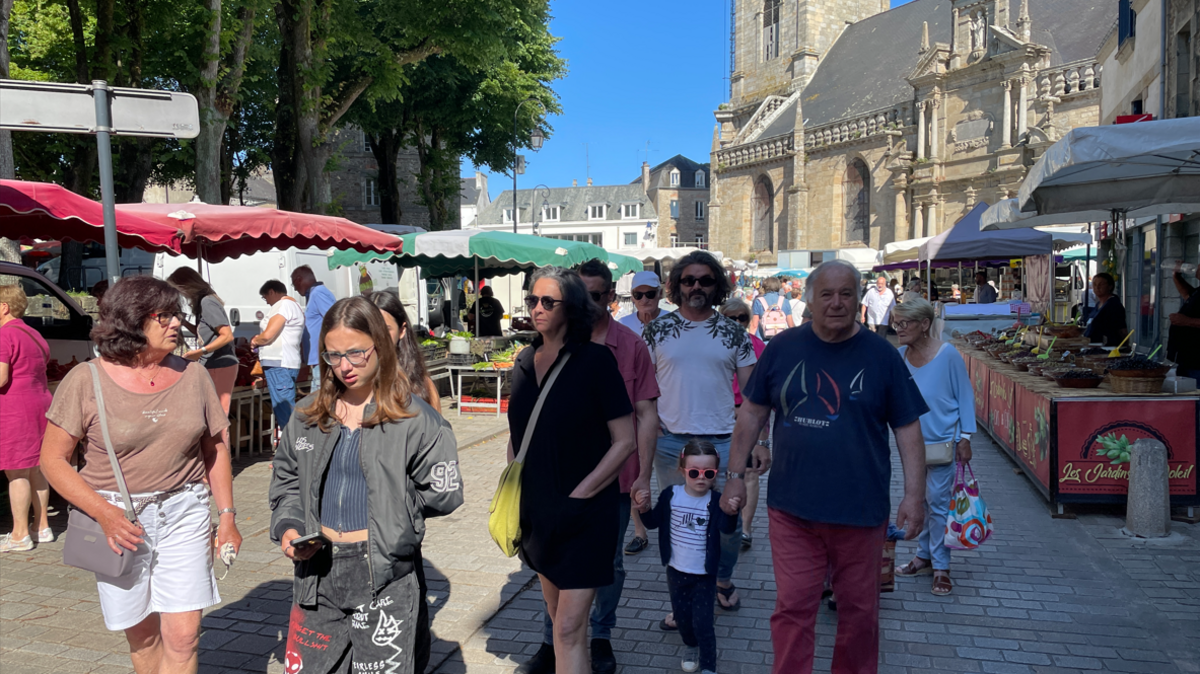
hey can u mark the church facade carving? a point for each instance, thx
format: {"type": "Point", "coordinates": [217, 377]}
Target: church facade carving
{"type": "Point", "coordinates": [901, 123]}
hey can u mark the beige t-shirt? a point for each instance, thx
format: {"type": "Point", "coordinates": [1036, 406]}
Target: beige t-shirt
{"type": "Point", "coordinates": [156, 435]}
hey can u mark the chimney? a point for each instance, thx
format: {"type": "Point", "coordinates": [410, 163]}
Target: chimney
{"type": "Point", "coordinates": [589, 182]}
{"type": "Point", "coordinates": [575, 183]}
{"type": "Point", "coordinates": [645, 176]}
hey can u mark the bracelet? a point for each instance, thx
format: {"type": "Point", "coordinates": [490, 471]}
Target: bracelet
{"type": "Point", "coordinates": [231, 511]}
{"type": "Point", "coordinates": [203, 348]}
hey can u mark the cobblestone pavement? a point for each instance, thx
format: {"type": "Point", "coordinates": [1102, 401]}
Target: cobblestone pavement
{"type": "Point", "coordinates": [1045, 595]}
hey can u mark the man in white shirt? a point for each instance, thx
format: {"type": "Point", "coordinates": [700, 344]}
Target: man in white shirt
{"type": "Point", "coordinates": [877, 306]}
{"type": "Point", "coordinates": [697, 352]}
{"type": "Point", "coordinates": [647, 292]}
{"type": "Point", "coordinates": [279, 348]}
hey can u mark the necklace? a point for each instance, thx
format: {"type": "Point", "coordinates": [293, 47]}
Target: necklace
{"type": "Point", "coordinates": [152, 377]}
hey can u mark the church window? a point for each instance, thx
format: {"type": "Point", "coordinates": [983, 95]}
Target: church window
{"type": "Point", "coordinates": [699, 178]}
{"type": "Point", "coordinates": [856, 192]}
{"type": "Point", "coordinates": [675, 178]}
{"type": "Point", "coordinates": [771, 29]}
{"type": "Point", "coordinates": [764, 216]}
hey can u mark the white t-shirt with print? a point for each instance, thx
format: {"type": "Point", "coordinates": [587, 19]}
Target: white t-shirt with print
{"type": "Point", "coordinates": [696, 362]}
{"type": "Point", "coordinates": [689, 530]}
{"type": "Point", "coordinates": [285, 350]}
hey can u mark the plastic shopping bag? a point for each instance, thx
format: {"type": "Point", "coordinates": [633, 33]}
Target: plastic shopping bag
{"type": "Point", "coordinates": [968, 524]}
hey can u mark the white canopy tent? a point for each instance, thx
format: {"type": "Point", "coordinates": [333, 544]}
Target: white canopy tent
{"type": "Point", "coordinates": [660, 254]}
{"type": "Point", "coordinates": [902, 251]}
{"type": "Point", "coordinates": [1007, 215]}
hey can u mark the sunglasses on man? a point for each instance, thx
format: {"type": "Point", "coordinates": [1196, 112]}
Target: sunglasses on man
{"type": "Point", "coordinates": [704, 281]}
{"type": "Point", "coordinates": [598, 297]}
{"type": "Point", "coordinates": [649, 294]}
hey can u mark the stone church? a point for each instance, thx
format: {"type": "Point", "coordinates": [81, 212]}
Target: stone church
{"type": "Point", "coordinates": [850, 124]}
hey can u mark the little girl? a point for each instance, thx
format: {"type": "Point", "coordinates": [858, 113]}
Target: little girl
{"type": "Point", "coordinates": [690, 543]}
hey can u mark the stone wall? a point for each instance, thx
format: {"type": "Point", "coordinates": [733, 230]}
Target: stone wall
{"type": "Point", "coordinates": [686, 227]}
{"type": "Point", "coordinates": [355, 165]}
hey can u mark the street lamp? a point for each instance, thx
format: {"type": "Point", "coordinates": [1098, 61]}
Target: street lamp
{"type": "Point", "coordinates": [536, 138]}
{"type": "Point", "coordinates": [539, 189]}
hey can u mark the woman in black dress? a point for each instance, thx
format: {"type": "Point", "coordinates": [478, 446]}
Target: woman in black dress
{"type": "Point", "coordinates": [581, 439]}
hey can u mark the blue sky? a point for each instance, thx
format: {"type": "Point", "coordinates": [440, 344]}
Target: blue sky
{"type": "Point", "coordinates": [644, 79]}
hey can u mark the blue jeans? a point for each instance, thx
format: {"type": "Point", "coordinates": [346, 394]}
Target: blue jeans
{"type": "Point", "coordinates": [939, 482]}
{"type": "Point", "coordinates": [604, 609]}
{"type": "Point", "coordinates": [281, 384]}
{"type": "Point", "coordinates": [666, 464]}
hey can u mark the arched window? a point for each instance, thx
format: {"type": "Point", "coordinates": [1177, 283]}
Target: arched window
{"type": "Point", "coordinates": [856, 194]}
{"type": "Point", "coordinates": [699, 178]}
{"type": "Point", "coordinates": [771, 29]}
{"type": "Point", "coordinates": [764, 216]}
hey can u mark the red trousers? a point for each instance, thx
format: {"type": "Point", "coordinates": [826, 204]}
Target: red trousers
{"type": "Point", "coordinates": [803, 553]}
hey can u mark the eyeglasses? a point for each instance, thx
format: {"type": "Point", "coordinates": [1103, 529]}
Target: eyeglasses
{"type": "Point", "coordinates": [903, 325]}
{"type": "Point", "coordinates": [548, 303]}
{"type": "Point", "coordinates": [649, 294]}
{"type": "Point", "coordinates": [357, 357]}
{"type": "Point", "coordinates": [708, 473]}
{"type": "Point", "coordinates": [741, 318]}
{"type": "Point", "coordinates": [597, 297]}
{"type": "Point", "coordinates": [704, 281]}
{"type": "Point", "coordinates": [164, 318]}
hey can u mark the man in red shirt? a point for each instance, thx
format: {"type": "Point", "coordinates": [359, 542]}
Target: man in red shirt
{"type": "Point", "coordinates": [633, 360]}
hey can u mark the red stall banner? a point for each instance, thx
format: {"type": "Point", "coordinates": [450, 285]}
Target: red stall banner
{"type": "Point", "coordinates": [979, 382]}
{"type": "Point", "coordinates": [1094, 438]}
{"type": "Point", "coordinates": [1000, 409]}
{"type": "Point", "coordinates": [1032, 442]}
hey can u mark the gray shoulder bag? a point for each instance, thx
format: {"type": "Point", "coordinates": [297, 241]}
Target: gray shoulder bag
{"type": "Point", "coordinates": [86, 545]}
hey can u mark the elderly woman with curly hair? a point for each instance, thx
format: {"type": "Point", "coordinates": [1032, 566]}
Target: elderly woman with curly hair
{"type": "Point", "coordinates": [166, 422]}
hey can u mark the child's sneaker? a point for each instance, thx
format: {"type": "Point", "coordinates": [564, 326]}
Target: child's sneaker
{"type": "Point", "coordinates": [691, 659]}
{"type": "Point", "coordinates": [10, 544]}
{"type": "Point", "coordinates": [44, 536]}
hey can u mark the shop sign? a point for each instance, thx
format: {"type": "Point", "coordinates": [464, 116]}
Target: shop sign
{"type": "Point", "coordinates": [1032, 442]}
{"type": "Point", "coordinates": [1094, 438]}
{"type": "Point", "coordinates": [1000, 409]}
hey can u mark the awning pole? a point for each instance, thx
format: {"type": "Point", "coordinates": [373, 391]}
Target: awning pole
{"type": "Point", "coordinates": [477, 296]}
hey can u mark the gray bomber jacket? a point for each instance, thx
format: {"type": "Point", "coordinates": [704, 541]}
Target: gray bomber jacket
{"type": "Point", "coordinates": [411, 466]}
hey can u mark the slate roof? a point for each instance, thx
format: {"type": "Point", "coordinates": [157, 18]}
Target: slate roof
{"type": "Point", "coordinates": [660, 175]}
{"type": "Point", "coordinates": [866, 68]}
{"type": "Point", "coordinates": [468, 194]}
{"type": "Point", "coordinates": [572, 200]}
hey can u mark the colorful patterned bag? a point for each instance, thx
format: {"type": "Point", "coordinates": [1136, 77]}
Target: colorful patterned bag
{"type": "Point", "coordinates": [968, 524]}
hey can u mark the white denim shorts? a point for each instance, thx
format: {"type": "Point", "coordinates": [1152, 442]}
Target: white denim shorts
{"type": "Point", "coordinates": [172, 570]}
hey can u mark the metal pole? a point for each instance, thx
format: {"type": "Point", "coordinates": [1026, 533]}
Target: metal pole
{"type": "Point", "coordinates": [112, 253]}
{"type": "Point", "coordinates": [478, 295]}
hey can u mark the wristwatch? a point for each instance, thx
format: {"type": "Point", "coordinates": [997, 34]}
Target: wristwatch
{"type": "Point", "coordinates": [765, 443]}
{"type": "Point", "coordinates": [203, 348]}
{"type": "Point", "coordinates": [222, 511]}
{"type": "Point", "coordinates": [730, 475]}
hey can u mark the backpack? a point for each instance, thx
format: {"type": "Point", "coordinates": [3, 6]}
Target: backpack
{"type": "Point", "coordinates": [774, 320]}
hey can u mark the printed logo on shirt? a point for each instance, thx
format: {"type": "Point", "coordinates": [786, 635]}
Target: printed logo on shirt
{"type": "Point", "coordinates": [821, 399]}
{"type": "Point", "coordinates": [444, 477]}
{"type": "Point", "coordinates": [154, 415]}
{"type": "Point", "coordinates": [303, 445]}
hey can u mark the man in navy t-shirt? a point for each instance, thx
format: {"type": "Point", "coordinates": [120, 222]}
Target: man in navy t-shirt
{"type": "Point", "coordinates": [835, 388]}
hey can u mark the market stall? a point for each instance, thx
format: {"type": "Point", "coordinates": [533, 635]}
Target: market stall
{"type": "Point", "coordinates": [1073, 442]}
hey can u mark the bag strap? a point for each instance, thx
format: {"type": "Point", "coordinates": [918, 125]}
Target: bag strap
{"type": "Point", "coordinates": [21, 324]}
{"type": "Point", "coordinates": [112, 455]}
{"type": "Point", "coordinates": [537, 408]}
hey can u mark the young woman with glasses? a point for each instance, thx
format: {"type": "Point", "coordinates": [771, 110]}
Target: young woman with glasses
{"type": "Point", "coordinates": [165, 422]}
{"type": "Point", "coordinates": [361, 465]}
{"type": "Point", "coordinates": [580, 440]}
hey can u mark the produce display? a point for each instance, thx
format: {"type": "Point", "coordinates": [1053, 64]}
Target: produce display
{"type": "Point", "coordinates": [1077, 374]}
{"type": "Point", "coordinates": [1135, 363]}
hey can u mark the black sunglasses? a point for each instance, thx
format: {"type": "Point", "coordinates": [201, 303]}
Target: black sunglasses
{"type": "Point", "coordinates": [649, 294]}
{"type": "Point", "coordinates": [709, 473]}
{"type": "Point", "coordinates": [704, 281]}
{"type": "Point", "coordinates": [597, 296]}
{"type": "Point", "coordinates": [548, 303]}
{"type": "Point", "coordinates": [741, 318]}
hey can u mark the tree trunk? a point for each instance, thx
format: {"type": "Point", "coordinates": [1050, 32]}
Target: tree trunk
{"type": "Point", "coordinates": [104, 66]}
{"type": "Point", "coordinates": [77, 36]}
{"type": "Point", "coordinates": [310, 139]}
{"type": "Point", "coordinates": [285, 160]}
{"type": "Point", "coordinates": [386, 148]}
{"type": "Point", "coordinates": [212, 122]}
{"type": "Point", "coordinates": [7, 168]}
{"type": "Point", "coordinates": [135, 164]}
{"type": "Point", "coordinates": [228, 149]}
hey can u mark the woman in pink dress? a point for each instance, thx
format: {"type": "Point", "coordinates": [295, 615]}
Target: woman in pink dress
{"type": "Point", "coordinates": [24, 399]}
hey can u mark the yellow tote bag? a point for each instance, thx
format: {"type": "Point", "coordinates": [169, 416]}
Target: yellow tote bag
{"type": "Point", "coordinates": [504, 516]}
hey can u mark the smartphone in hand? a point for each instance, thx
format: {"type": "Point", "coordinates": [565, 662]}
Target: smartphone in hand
{"type": "Point", "coordinates": [309, 542]}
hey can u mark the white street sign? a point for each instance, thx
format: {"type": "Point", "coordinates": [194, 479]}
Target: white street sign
{"type": "Point", "coordinates": [70, 108]}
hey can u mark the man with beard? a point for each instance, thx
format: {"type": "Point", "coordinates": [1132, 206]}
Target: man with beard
{"type": "Point", "coordinates": [697, 352]}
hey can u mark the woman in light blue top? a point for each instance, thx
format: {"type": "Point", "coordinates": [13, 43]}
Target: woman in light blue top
{"type": "Point", "coordinates": [941, 375]}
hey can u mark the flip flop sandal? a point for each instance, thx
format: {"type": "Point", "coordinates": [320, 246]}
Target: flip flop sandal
{"type": "Point", "coordinates": [941, 584]}
{"type": "Point", "coordinates": [727, 592]}
{"type": "Point", "coordinates": [666, 626]}
{"type": "Point", "coordinates": [916, 567]}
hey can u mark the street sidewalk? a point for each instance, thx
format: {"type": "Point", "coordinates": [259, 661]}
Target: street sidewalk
{"type": "Point", "coordinates": [1044, 595]}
